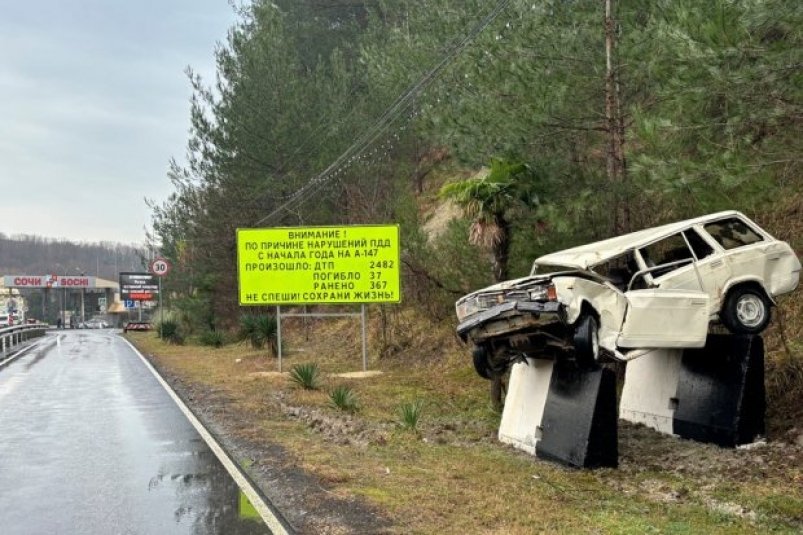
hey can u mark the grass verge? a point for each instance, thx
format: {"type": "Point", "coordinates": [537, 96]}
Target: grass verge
{"type": "Point", "coordinates": [452, 476]}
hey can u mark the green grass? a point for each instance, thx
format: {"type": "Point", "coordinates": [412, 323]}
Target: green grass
{"type": "Point", "coordinates": [452, 475]}
{"type": "Point", "coordinates": [410, 414]}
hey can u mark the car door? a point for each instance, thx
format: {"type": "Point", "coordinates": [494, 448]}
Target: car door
{"type": "Point", "coordinates": [712, 267]}
{"type": "Point", "coordinates": [659, 317]}
{"type": "Point", "coordinates": [675, 309]}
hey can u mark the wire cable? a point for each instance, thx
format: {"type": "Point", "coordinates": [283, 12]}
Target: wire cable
{"type": "Point", "coordinates": [388, 117]}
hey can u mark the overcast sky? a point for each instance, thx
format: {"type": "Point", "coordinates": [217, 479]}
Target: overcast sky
{"type": "Point", "coordinates": [93, 104]}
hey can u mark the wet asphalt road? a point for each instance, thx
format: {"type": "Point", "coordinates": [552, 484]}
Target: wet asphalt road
{"type": "Point", "coordinates": [91, 443]}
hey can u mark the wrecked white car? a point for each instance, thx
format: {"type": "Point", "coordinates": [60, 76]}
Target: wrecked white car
{"type": "Point", "coordinates": [655, 288]}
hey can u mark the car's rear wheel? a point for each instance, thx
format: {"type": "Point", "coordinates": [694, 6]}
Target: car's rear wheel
{"type": "Point", "coordinates": [747, 311]}
{"type": "Point", "coordinates": [586, 341]}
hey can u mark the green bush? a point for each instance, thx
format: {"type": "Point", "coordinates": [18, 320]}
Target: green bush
{"type": "Point", "coordinates": [258, 330]}
{"type": "Point", "coordinates": [343, 398]}
{"type": "Point", "coordinates": [410, 414]}
{"type": "Point", "coordinates": [307, 376]}
{"type": "Point", "coordinates": [212, 339]}
{"type": "Point", "coordinates": [169, 331]}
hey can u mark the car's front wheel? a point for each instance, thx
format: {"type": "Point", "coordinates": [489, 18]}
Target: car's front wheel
{"type": "Point", "coordinates": [485, 365]}
{"type": "Point", "coordinates": [481, 365]}
{"type": "Point", "coordinates": [586, 341]}
{"type": "Point", "coordinates": [746, 311]}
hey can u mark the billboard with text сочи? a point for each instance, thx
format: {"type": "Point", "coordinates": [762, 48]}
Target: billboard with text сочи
{"type": "Point", "coordinates": [319, 265]}
{"type": "Point", "coordinates": [138, 286]}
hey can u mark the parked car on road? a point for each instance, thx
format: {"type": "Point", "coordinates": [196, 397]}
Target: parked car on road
{"type": "Point", "coordinates": [94, 324]}
{"type": "Point", "coordinates": [5, 320]}
{"type": "Point", "coordinates": [656, 288]}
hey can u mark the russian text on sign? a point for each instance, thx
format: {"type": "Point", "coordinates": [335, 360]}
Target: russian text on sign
{"type": "Point", "coordinates": [352, 264]}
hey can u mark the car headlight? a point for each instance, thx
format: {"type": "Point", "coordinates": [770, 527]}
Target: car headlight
{"type": "Point", "coordinates": [544, 293]}
{"type": "Point", "coordinates": [466, 308]}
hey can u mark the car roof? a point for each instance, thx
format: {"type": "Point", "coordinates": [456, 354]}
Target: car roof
{"type": "Point", "coordinates": [583, 256]}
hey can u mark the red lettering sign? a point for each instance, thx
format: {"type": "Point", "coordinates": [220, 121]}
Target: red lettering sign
{"type": "Point", "coordinates": [27, 281]}
{"type": "Point", "coordinates": [144, 296]}
{"type": "Point", "coordinates": [74, 282]}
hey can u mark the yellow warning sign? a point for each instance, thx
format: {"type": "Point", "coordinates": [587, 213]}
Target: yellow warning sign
{"type": "Point", "coordinates": [319, 265]}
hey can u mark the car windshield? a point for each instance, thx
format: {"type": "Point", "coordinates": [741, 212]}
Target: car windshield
{"type": "Point", "coordinates": [617, 270]}
{"type": "Point", "coordinates": [545, 269]}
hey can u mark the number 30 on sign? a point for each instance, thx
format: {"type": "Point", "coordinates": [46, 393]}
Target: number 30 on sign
{"type": "Point", "coordinates": [160, 267]}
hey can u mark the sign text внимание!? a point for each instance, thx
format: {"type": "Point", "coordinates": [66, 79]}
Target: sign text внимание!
{"type": "Point", "coordinates": [318, 265]}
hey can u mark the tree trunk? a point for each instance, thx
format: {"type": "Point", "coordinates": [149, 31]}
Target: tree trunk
{"type": "Point", "coordinates": [615, 129]}
{"type": "Point", "coordinates": [497, 389]}
{"type": "Point", "coordinates": [501, 248]}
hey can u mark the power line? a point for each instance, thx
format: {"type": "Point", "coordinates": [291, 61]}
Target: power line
{"type": "Point", "coordinates": [388, 117]}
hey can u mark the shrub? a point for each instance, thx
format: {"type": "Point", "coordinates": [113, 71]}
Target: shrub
{"type": "Point", "coordinates": [307, 376]}
{"type": "Point", "coordinates": [168, 330]}
{"type": "Point", "coordinates": [410, 414]}
{"type": "Point", "coordinates": [258, 330]}
{"type": "Point", "coordinates": [343, 398]}
{"type": "Point", "coordinates": [212, 339]}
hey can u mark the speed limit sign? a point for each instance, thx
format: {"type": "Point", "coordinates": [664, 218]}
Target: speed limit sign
{"type": "Point", "coordinates": [160, 267]}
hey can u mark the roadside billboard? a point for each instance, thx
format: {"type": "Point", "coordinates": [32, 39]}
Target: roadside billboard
{"type": "Point", "coordinates": [319, 265]}
{"type": "Point", "coordinates": [138, 286]}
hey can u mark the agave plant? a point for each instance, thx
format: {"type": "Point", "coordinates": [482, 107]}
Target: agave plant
{"type": "Point", "coordinates": [307, 376]}
{"type": "Point", "coordinates": [258, 330]}
{"type": "Point", "coordinates": [343, 398]}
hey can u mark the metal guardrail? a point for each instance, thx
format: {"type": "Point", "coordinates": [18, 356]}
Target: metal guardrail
{"type": "Point", "coordinates": [12, 336]}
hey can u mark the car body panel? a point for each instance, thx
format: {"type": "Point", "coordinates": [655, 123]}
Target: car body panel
{"type": "Point", "coordinates": [676, 280]}
{"type": "Point", "coordinates": [657, 317]}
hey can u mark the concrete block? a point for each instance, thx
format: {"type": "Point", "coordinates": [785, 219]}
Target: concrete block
{"type": "Point", "coordinates": [524, 404]}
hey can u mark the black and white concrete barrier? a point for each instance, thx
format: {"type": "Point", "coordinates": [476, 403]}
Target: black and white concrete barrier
{"type": "Point", "coordinates": [713, 394]}
{"type": "Point", "coordinates": [562, 413]}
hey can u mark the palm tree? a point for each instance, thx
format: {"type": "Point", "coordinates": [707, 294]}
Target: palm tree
{"type": "Point", "coordinates": [488, 201]}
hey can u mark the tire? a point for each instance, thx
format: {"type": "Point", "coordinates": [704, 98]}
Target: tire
{"type": "Point", "coordinates": [480, 357]}
{"type": "Point", "coordinates": [747, 311]}
{"type": "Point", "coordinates": [586, 341]}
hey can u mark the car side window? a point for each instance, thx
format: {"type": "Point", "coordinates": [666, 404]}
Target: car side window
{"type": "Point", "coordinates": [671, 249]}
{"type": "Point", "coordinates": [698, 244]}
{"type": "Point", "coordinates": [732, 233]}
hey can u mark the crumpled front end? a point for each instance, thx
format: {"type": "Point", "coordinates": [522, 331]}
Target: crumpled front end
{"type": "Point", "coordinates": [509, 317]}
{"type": "Point", "coordinates": [515, 317]}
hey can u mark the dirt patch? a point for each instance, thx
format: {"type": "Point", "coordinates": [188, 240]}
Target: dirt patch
{"type": "Point", "coordinates": [270, 375]}
{"type": "Point", "coordinates": [358, 375]}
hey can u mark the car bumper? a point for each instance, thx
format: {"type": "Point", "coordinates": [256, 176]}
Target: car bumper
{"type": "Point", "coordinates": [502, 317]}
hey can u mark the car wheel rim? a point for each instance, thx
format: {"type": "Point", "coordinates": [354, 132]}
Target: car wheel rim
{"type": "Point", "coordinates": [750, 310]}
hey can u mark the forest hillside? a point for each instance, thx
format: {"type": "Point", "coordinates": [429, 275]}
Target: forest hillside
{"type": "Point", "coordinates": [35, 255]}
{"type": "Point", "coordinates": [588, 119]}
{"type": "Point", "coordinates": [358, 112]}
